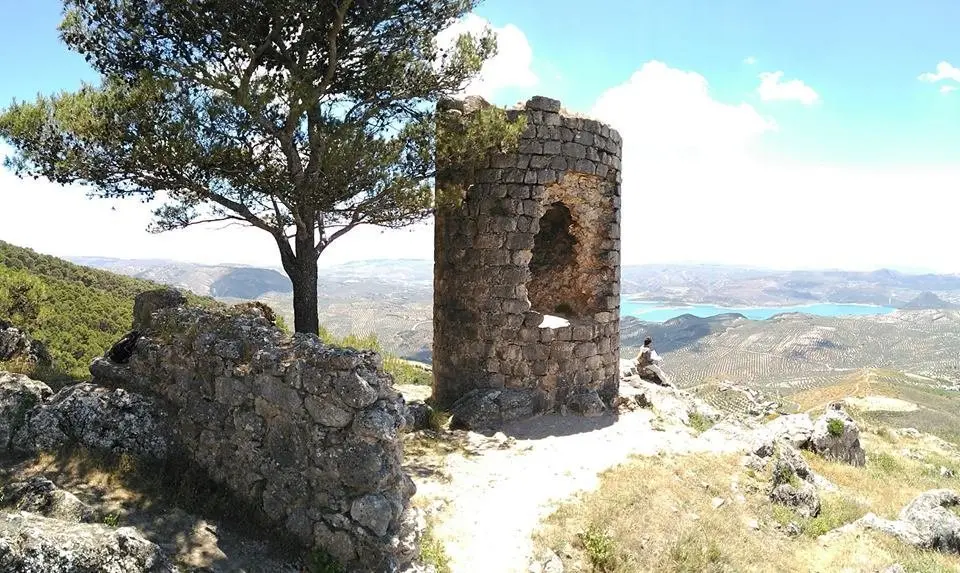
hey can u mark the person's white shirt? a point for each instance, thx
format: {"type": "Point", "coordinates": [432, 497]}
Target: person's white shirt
{"type": "Point", "coordinates": [654, 357]}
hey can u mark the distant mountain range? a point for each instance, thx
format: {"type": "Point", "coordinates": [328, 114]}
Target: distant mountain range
{"type": "Point", "coordinates": [734, 286]}
{"type": "Point", "coordinates": [411, 279]}
{"type": "Point", "coordinates": [232, 281]}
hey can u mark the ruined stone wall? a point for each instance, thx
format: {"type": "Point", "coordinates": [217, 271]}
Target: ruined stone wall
{"type": "Point", "coordinates": [306, 433]}
{"type": "Point", "coordinates": [527, 273]}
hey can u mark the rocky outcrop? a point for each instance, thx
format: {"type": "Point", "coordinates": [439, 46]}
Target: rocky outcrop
{"type": "Point", "coordinates": [42, 496]}
{"type": "Point", "coordinates": [18, 395]}
{"type": "Point", "coordinates": [34, 544]}
{"type": "Point", "coordinates": [836, 436]}
{"type": "Point", "coordinates": [794, 429]}
{"type": "Point", "coordinates": [16, 346]}
{"type": "Point", "coordinates": [931, 514]}
{"type": "Point", "coordinates": [419, 415]}
{"type": "Point", "coordinates": [307, 434]}
{"type": "Point", "coordinates": [793, 483]}
{"type": "Point", "coordinates": [926, 522]}
{"type": "Point", "coordinates": [148, 303]}
{"type": "Point", "coordinates": [110, 420]}
{"type": "Point", "coordinates": [487, 410]}
{"type": "Point", "coordinates": [673, 405]}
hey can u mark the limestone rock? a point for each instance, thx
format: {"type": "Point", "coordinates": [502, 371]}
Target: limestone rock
{"type": "Point", "coordinates": [803, 498]}
{"type": "Point", "coordinates": [926, 522]}
{"type": "Point", "coordinates": [586, 404]}
{"type": "Point", "coordinates": [836, 436]}
{"type": "Point", "coordinates": [413, 524]}
{"type": "Point", "coordinates": [114, 421]}
{"type": "Point", "coordinates": [306, 434]}
{"type": "Point", "coordinates": [40, 495]}
{"type": "Point", "coordinates": [789, 463]}
{"type": "Point", "coordinates": [930, 513]}
{"type": "Point", "coordinates": [673, 405]}
{"type": "Point", "coordinates": [418, 415]}
{"type": "Point", "coordinates": [902, 530]}
{"type": "Point", "coordinates": [794, 429]}
{"type": "Point", "coordinates": [17, 346]}
{"type": "Point", "coordinates": [794, 483]}
{"type": "Point", "coordinates": [18, 395]}
{"type": "Point", "coordinates": [34, 544]}
{"type": "Point", "coordinates": [149, 302]}
{"type": "Point", "coordinates": [486, 410]}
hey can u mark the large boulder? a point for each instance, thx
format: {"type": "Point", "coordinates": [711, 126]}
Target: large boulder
{"type": "Point", "coordinates": [931, 514]}
{"type": "Point", "coordinates": [42, 496]}
{"type": "Point", "coordinates": [485, 410]}
{"type": "Point", "coordinates": [110, 420]}
{"type": "Point", "coordinates": [17, 346]}
{"type": "Point", "coordinates": [586, 404]}
{"type": "Point", "coordinates": [34, 544]}
{"type": "Point", "coordinates": [149, 302]}
{"type": "Point", "coordinates": [927, 522]}
{"type": "Point", "coordinates": [802, 497]}
{"type": "Point", "coordinates": [793, 482]}
{"type": "Point", "coordinates": [18, 395]}
{"type": "Point", "coordinates": [837, 437]}
{"type": "Point", "coordinates": [673, 405]}
{"type": "Point", "coordinates": [794, 429]}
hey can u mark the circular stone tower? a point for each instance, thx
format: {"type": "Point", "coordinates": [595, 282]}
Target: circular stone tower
{"type": "Point", "coordinates": [527, 273]}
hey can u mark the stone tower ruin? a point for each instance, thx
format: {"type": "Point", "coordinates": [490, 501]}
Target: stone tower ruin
{"type": "Point", "coordinates": [527, 273]}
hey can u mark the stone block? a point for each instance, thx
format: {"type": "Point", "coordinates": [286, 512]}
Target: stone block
{"type": "Point", "coordinates": [552, 148]}
{"type": "Point", "coordinates": [585, 350]}
{"type": "Point", "coordinates": [574, 150]}
{"type": "Point", "coordinates": [541, 103]}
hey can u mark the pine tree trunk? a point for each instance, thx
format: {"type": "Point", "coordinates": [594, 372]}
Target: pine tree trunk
{"type": "Point", "coordinates": [303, 275]}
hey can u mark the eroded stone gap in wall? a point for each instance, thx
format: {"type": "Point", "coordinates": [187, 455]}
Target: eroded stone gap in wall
{"type": "Point", "coordinates": [552, 257]}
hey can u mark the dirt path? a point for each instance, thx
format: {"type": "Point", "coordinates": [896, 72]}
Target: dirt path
{"type": "Point", "coordinates": [488, 504]}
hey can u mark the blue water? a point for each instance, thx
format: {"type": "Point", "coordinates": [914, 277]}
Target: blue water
{"type": "Point", "coordinates": [662, 312]}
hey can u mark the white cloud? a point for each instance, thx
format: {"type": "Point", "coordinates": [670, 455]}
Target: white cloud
{"type": "Point", "coordinates": [730, 204]}
{"type": "Point", "coordinates": [662, 111]}
{"type": "Point", "coordinates": [947, 89]}
{"type": "Point", "coordinates": [510, 67]}
{"type": "Point", "coordinates": [695, 188]}
{"type": "Point", "coordinates": [62, 221]}
{"type": "Point", "coordinates": [945, 71]}
{"type": "Point", "coordinates": [750, 60]}
{"type": "Point", "coordinates": [772, 89]}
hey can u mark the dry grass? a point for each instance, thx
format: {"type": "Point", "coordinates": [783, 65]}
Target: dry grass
{"type": "Point", "coordinates": [656, 514]}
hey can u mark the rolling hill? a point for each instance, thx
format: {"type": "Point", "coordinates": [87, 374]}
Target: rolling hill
{"type": "Point", "coordinates": [78, 312]}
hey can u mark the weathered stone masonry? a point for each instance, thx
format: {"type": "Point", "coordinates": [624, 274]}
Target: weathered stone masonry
{"type": "Point", "coordinates": [527, 272]}
{"type": "Point", "coordinates": [307, 433]}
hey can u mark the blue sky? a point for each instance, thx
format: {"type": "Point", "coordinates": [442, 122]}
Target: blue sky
{"type": "Point", "coordinates": [771, 133]}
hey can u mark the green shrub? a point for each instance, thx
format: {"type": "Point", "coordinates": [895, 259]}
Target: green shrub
{"type": "Point", "coordinates": [403, 371]}
{"type": "Point", "coordinates": [883, 463]}
{"type": "Point", "coordinates": [432, 552]}
{"type": "Point", "coordinates": [600, 548]}
{"type": "Point", "coordinates": [699, 422]}
{"type": "Point", "coordinates": [835, 427]}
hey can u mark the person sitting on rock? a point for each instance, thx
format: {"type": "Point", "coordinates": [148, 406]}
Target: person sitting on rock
{"type": "Point", "coordinates": [648, 361]}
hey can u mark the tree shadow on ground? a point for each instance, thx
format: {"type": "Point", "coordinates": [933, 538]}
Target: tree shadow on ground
{"type": "Point", "coordinates": [556, 425]}
{"type": "Point", "coordinates": [195, 521]}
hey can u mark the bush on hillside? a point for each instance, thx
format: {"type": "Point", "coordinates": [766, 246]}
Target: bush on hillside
{"type": "Point", "coordinates": [403, 371]}
{"type": "Point", "coordinates": [77, 312]}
